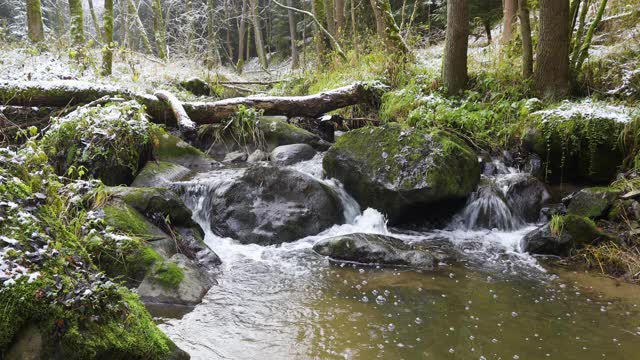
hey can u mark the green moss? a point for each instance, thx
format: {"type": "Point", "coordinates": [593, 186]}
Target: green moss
{"type": "Point", "coordinates": [167, 147]}
{"type": "Point", "coordinates": [169, 275]}
{"type": "Point", "coordinates": [126, 218]}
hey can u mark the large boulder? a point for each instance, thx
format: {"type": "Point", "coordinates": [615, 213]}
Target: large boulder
{"type": "Point", "coordinates": [109, 142]}
{"type": "Point", "coordinates": [561, 237]}
{"type": "Point", "coordinates": [579, 141]}
{"type": "Point", "coordinates": [271, 205]}
{"type": "Point", "coordinates": [378, 249]}
{"type": "Point", "coordinates": [407, 171]}
{"type": "Point", "coordinates": [291, 154]}
{"type": "Point", "coordinates": [593, 202]}
{"type": "Point", "coordinates": [196, 86]}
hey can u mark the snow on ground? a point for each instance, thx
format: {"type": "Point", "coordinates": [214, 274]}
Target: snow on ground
{"type": "Point", "coordinates": [588, 109]}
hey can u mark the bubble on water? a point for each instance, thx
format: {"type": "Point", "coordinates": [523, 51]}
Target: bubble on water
{"type": "Point", "coordinates": [452, 275]}
{"type": "Point", "coordinates": [516, 357]}
{"type": "Point", "coordinates": [471, 337]}
{"type": "Point", "coordinates": [451, 351]}
{"type": "Point", "coordinates": [358, 286]}
{"type": "Point", "coordinates": [380, 300]}
{"type": "Point", "coordinates": [514, 314]}
{"type": "Point", "coordinates": [391, 327]}
{"type": "Point", "coordinates": [418, 321]}
{"type": "Point", "coordinates": [387, 293]}
{"type": "Point", "coordinates": [451, 329]}
{"type": "Point", "coordinates": [364, 282]}
{"type": "Point", "coordinates": [365, 299]}
{"type": "Point", "coordinates": [400, 345]}
{"type": "Point", "coordinates": [374, 292]}
{"type": "Point", "coordinates": [495, 341]}
{"type": "Point", "coordinates": [361, 271]}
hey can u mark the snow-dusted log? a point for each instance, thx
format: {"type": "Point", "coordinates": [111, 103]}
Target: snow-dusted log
{"type": "Point", "coordinates": [70, 92]}
{"type": "Point", "coordinates": [185, 123]}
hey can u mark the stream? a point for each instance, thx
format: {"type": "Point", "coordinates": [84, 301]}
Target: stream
{"type": "Point", "coordinates": [286, 302]}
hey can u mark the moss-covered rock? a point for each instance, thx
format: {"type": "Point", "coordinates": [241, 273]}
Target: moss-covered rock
{"type": "Point", "coordinates": [268, 133]}
{"type": "Point", "coordinates": [378, 249]}
{"type": "Point", "coordinates": [172, 149]}
{"type": "Point", "coordinates": [51, 287]}
{"type": "Point", "coordinates": [593, 202]}
{"type": "Point", "coordinates": [407, 172]}
{"type": "Point", "coordinates": [196, 86]}
{"type": "Point", "coordinates": [106, 142]}
{"type": "Point", "coordinates": [179, 281]}
{"type": "Point", "coordinates": [564, 235]}
{"type": "Point", "coordinates": [160, 174]}
{"type": "Point", "coordinates": [578, 141]}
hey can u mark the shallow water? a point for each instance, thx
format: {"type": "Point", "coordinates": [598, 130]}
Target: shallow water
{"type": "Point", "coordinates": [496, 303]}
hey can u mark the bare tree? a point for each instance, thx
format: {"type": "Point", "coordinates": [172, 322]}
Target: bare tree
{"type": "Point", "coordinates": [292, 33]}
{"type": "Point", "coordinates": [509, 14]}
{"type": "Point", "coordinates": [257, 32]}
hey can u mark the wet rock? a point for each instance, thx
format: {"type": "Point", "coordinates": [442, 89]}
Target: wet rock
{"type": "Point", "coordinates": [526, 195]}
{"type": "Point", "coordinates": [408, 172]}
{"type": "Point", "coordinates": [153, 202]}
{"type": "Point", "coordinates": [592, 202]}
{"type": "Point", "coordinates": [189, 290]}
{"type": "Point", "coordinates": [291, 154]}
{"type": "Point", "coordinates": [257, 156]}
{"type": "Point", "coordinates": [196, 86]}
{"type": "Point", "coordinates": [271, 205]}
{"type": "Point", "coordinates": [570, 233]}
{"type": "Point", "coordinates": [547, 212]}
{"type": "Point", "coordinates": [322, 127]}
{"type": "Point", "coordinates": [624, 210]}
{"type": "Point", "coordinates": [235, 157]}
{"type": "Point", "coordinates": [377, 249]}
{"type": "Point", "coordinates": [160, 174]}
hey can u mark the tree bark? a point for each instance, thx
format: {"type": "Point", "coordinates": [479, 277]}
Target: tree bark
{"type": "Point", "coordinates": [525, 31]}
{"type": "Point", "coordinates": [242, 34]}
{"type": "Point", "coordinates": [35, 25]}
{"type": "Point", "coordinates": [77, 22]}
{"type": "Point", "coordinates": [159, 29]}
{"type": "Point", "coordinates": [107, 52]}
{"type": "Point", "coordinates": [329, 17]}
{"type": "Point", "coordinates": [509, 14]}
{"type": "Point", "coordinates": [551, 74]}
{"type": "Point", "coordinates": [133, 12]}
{"type": "Point", "coordinates": [487, 29]}
{"type": "Point", "coordinates": [317, 9]}
{"type": "Point", "coordinates": [454, 69]}
{"type": "Point", "coordinates": [213, 56]}
{"type": "Point", "coordinates": [393, 41]}
{"type": "Point", "coordinates": [185, 124]}
{"type": "Point", "coordinates": [292, 34]}
{"type": "Point", "coordinates": [340, 18]}
{"type": "Point", "coordinates": [378, 18]}
{"type": "Point", "coordinates": [257, 32]}
{"type": "Point", "coordinates": [70, 92]}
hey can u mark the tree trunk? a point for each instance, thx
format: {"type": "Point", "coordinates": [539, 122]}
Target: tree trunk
{"type": "Point", "coordinates": [292, 33]}
{"type": "Point", "coordinates": [487, 29]}
{"type": "Point", "coordinates": [70, 92]}
{"type": "Point", "coordinates": [525, 31]}
{"type": "Point", "coordinates": [577, 39]}
{"type": "Point", "coordinates": [94, 18]}
{"type": "Point", "coordinates": [378, 18]}
{"type": "Point", "coordinates": [454, 69]}
{"type": "Point", "coordinates": [213, 56]}
{"type": "Point", "coordinates": [59, 17]}
{"type": "Point", "coordinates": [133, 12]}
{"type": "Point", "coordinates": [391, 33]}
{"type": "Point", "coordinates": [159, 29]}
{"type": "Point", "coordinates": [77, 22]}
{"type": "Point", "coordinates": [329, 18]}
{"type": "Point", "coordinates": [107, 51]}
{"type": "Point", "coordinates": [242, 34]}
{"type": "Point", "coordinates": [257, 32]}
{"type": "Point", "coordinates": [340, 18]}
{"type": "Point", "coordinates": [185, 124]}
{"type": "Point", "coordinates": [35, 26]}
{"type": "Point", "coordinates": [509, 14]}
{"type": "Point", "coordinates": [317, 8]}
{"type": "Point", "coordinates": [551, 74]}
{"type": "Point", "coordinates": [354, 32]}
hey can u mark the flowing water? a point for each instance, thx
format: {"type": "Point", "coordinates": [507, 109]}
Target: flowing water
{"type": "Point", "coordinates": [286, 302]}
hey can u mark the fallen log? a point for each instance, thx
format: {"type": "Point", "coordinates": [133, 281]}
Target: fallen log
{"type": "Point", "coordinates": [185, 124]}
{"type": "Point", "coordinates": [70, 92]}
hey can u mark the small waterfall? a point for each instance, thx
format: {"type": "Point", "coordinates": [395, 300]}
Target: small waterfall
{"type": "Point", "coordinates": [490, 206]}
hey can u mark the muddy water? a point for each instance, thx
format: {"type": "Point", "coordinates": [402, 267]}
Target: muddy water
{"type": "Point", "coordinates": [287, 302]}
